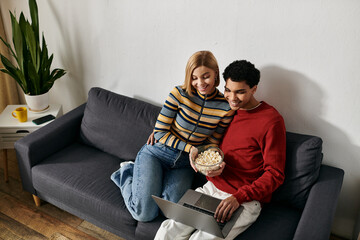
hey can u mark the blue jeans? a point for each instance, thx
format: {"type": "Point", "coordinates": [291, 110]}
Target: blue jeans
{"type": "Point", "coordinates": [158, 170]}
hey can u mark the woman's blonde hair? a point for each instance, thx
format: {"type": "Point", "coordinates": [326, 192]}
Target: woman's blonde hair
{"type": "Point", "coordinates": [198, 59]}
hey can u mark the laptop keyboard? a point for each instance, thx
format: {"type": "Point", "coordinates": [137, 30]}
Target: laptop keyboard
{"type": "Point", "coordinates": [221, 225]}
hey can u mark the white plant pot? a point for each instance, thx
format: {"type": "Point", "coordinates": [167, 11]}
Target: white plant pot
{"type": "Point", "coordinates": [37, 103]}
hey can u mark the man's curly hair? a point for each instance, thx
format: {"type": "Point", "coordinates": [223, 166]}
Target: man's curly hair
{"type": "Point", "coordinates": [242, 70]}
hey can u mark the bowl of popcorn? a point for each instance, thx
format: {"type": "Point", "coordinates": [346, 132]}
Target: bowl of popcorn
{"type": "Point", "coordinates": [209, 159]}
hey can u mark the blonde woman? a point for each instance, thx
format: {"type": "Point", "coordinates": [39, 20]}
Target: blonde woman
{"type": "Point", "coordinates": [194, 114]}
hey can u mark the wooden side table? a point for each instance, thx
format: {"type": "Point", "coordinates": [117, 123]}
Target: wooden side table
{"type": "Point", "coordinates": [12, 130]}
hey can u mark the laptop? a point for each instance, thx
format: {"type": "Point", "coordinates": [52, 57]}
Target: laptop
{"type": "Point", "coordinates": [197, 210]}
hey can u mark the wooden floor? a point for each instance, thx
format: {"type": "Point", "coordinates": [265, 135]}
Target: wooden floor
{"type": "Point", "coordinates": [21, 219]}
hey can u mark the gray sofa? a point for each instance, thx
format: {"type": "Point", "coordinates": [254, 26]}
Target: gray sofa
{"type": "Point", "coordinates": [68, 163]}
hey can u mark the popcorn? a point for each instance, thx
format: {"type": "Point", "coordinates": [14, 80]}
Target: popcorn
{"type": "Point", "coordinates": [208, 160]}
{"type": "Point", "coordinates": [208, 157]}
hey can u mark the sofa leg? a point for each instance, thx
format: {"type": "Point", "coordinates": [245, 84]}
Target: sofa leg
{"type": "Point", "coordinates": [37, 200]}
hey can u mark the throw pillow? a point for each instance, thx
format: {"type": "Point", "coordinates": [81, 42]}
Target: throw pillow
{"type": "Point", "coordinates": [303, 161]}
{"type": "Point", "coordinates": [117, 124]}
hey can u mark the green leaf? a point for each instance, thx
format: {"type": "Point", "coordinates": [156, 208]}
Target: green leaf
{"type": "Point", "coordinates": [17, 40]}
{"type": "Point", "coordinates": [27, 61]}
{"type": "Point", "coordinates": [32, 46]}
{"type": "Point", "coordinates": [44, 50]}
{"type": "Point", "coordinates": [45, 64]}
{"type": "Point", "coordinates": [9, 47]}
{"type": "Point", "coordinates": [14, 72]}
{"type": "Point", "coordinates": [49, 62]}
{"type": "Point", "coordinates": [34, 18]}
{"type": "Point", "coordinates": [10, 67]}
{"type": "Point", "coordinates": [22, 22]}
{"type": "Point", "coordinates": [35, 80]}
{"type": "Point", "coordinates": [13, 76]}
{"type": "Point", "coordinates": [55, 74]}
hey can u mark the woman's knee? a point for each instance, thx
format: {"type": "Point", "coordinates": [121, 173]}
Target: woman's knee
{"type": "Point", "coordinates": [146, 213]}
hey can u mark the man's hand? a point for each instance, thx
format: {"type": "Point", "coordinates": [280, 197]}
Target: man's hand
{"type": "Point", "coordinates": [226, 208]}
{"type": "Point", "coordinates": [192, 156]}
{"type": "Point", "coordinates": [216, 172]}
{"type": "Point", "coordinates": [151, 140]}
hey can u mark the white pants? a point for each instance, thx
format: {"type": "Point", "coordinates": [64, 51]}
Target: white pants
{"type": "Point", "coordinates": [172, 230]}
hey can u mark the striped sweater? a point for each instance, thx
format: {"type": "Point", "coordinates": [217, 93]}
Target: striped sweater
{"type": "Point", "coordinates": [179, 126]}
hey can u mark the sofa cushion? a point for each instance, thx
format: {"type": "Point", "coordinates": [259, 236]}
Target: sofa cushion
{"type": "Point", "coordinates": [117, 124]}
{"type": "Point", "coordinates": [303, 160]}
{"type": "Point", "coordinates": [77, 179]}
{"type": "Point", "coordinates": [276, 221]}
{"type": "Point", "coordinates": [148, 230]}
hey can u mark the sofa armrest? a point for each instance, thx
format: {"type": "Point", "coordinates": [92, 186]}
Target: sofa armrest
{"type": "Point", "coordinates": [319, 211]}
{"type": "Point", "coordinates": [45, 141]}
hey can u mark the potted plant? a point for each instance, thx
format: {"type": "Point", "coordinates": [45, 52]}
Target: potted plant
{"type": "Point", "coordinates": [32, 72]}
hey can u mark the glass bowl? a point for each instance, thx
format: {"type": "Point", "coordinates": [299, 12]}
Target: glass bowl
{"type": "Point", "coordinates": [209, 159]}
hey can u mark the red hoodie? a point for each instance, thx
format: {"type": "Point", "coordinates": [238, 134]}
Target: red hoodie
{"type": "Point", "coordinates": [255, 153]}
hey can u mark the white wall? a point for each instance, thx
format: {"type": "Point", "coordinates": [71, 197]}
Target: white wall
{"type": "Point", "coordinates": [308, 53]}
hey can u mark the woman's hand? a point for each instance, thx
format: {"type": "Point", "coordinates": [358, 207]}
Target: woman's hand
{"type": "Point", "coordinates": [193, 155]}
{"type": "Point", "coordinates": [151, 140]}
{"type": "Point", "coordinates": [216, 172]}
{"type": "Point", "coordinates": [226, 208]}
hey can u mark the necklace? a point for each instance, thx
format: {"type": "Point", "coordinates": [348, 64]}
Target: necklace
{"type": "Point", "coordinates": [254, 107]}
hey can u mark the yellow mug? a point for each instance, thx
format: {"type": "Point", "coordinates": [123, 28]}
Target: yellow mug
{"type": "Point", "coordinates": [20, 113]}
